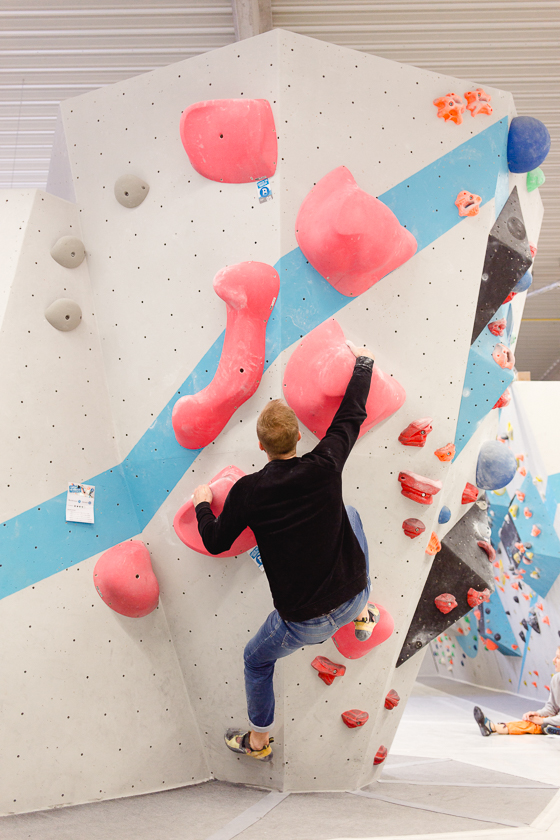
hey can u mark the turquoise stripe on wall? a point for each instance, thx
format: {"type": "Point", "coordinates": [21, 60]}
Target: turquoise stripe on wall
{"type": "Point", "coordinates": [39, 542]}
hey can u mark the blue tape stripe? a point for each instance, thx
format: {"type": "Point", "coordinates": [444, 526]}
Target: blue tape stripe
{"type": "Point", "coordinates": [39, 543]}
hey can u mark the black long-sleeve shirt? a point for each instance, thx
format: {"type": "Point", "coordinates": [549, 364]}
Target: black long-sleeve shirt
{"type": "Point", "coordinates": [309, 552]}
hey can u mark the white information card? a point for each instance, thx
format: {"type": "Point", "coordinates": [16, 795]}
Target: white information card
{"type": "Point", "coordinates": [79, 502]}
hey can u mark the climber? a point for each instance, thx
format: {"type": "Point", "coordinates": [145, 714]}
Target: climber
{"type": "Point", "coordinates": [545, 721]}
{"type": "Point", "coordinates": [313, 549]}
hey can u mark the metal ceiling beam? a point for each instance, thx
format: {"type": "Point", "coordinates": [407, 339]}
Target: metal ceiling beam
{"type": "Point", "coordinates": [251, 17]}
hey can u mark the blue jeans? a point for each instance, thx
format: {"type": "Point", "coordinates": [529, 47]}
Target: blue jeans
{"type": "Point", "coordinates": [277, 638]}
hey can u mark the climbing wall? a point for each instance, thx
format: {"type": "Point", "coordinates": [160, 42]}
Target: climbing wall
{"type": "Point", "coordinates": [154, 330]}
{"type": "Point", "coordinates": [509, 643]}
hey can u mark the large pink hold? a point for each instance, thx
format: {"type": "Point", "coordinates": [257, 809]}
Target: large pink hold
{"type": "Point", "coordinates": [185, 522]}
{"type": "Point", "coordinates": [317, 374]}
{"type": "Point", "coordinates": [231, 140]}
{"type": "Point", "coordinates": [351, 648]}
{"type": "Point", "coordinates": [125, 580]}
{"type": "Point", "coordinates": [249, 290]}
{"type": "Point", "coordinates": [351, 238]}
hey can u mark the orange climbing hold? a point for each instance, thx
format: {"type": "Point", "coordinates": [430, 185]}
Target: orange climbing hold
{"type": "Point", "coordinates": [445, 602]}
{"type": "Point", "coordinates": [478, 102]}
{"type": "Point", "coordinates": [445, 453]}
{"type": "Point", "coordinates": [491, 645]}
{"type": "Point", "coordinates": [450, 108]}
{"type": "Point", "coordinates": [527, 513]}
{"type": "Point", "coordinates": [535, 531]}
{"type": "Point", "coordinates": [523, 472]}
{"type": "Point", "coordinates": [434, 545]}
{"type": "Point", "coordinates": [520, 495]}
{"type": "Point", "coordinates": [546, 620]}
{"type": "Point", "coordinates": [416, 433]}
{"type": "Point", "coordinates": [468, 203]}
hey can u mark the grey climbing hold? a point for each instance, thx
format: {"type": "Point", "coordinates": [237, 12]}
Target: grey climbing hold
{"type": "Point", "coordinates": [64, 314]}
{"type": "Point", "coordinates": [130, 190]}
{"type": "Point", "coordinates": [69, 251]}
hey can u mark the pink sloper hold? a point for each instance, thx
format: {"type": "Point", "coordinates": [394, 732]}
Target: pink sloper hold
{"type": "Point", "coordinates": [125, 580]}
{"type": "Point", "coordinates": [230, 140]}
{"type": "Point", "coordinates": [249, 290]}
{"type": "Point", "coordinates": [351, 238]}
{"type": "Point", "coordinates": [185, 523]}
{"type": "Point", "coordinates": [316, 377]}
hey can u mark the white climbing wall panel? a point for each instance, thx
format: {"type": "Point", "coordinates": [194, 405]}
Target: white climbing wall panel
{"type": "Point", "coordinates": [151, 318]}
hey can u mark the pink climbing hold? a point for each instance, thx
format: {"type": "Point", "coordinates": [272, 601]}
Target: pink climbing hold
{"type": "Point", "coordinates": [416, 433]}
{"type": "Point", "coordinates": [125, 580]}
{"type": "Point", "coordinates": [413, 528]}
{"type": "Point", "coordinates": [380, 755]}
{"type": "Point", "coordinates": [249, 290]}
{"type": "Point", "coordinates": [468, 203]}
{"type": "Point", "coordinates": [527, 513]}
{"type": "Point", "coordinates": [445, 602]}
{"type": "Point", "coordinates": [497, 327]}
{"type": "Point", "coordinates": [418, 488]}
{"type": "Point", "coordinates": [535, 531]}
{"type": "Point", "coordinates": [503, 356]}
{"type": "Point", "coordinates": [450, 107]}
{"type": "Point", "coordinates": [316, 377]}
{"type": "Point", "coordinates": [351, 238]}
{"type": "Point", "coordinates": [478, 102]}
{"type": "Point", "coordinates": [488, 548]}
{"type": "Point", "coordinates": [185, 522]}
{"type": "Point", "coordinates": [230, 140]}
{"type": "Point", "coordinates": [351, 648]}
{"type": "Point", "coordinates": [392, 699]}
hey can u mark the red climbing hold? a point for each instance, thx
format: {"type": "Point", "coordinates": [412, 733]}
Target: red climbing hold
{"type": "Point", "coordinates": [468, 203]}
{"type": "Point", "coordinates": [249, 290]}
{"type": "Point", "coordinates": [503, 356]}
{"type": "Point", "coordinates": [478, 102]}
{"type": "Point", "coordinates": [416, 433]}
{"type": "Point", "coordinates": [317, 374]}
{"type": "Point", "coordinates": [230, 140]}
{"type": "Point", "coordinates": [475, 598]}
{"type": "Point", "coordinates": [497, 327]}
{"type": "Point", "coordinates": [354, 718]}
{"type": "Point", "coordinates": [533, 249]}
{"type": "Point", "coordinates": [185, 522]}
{"type": "Point", "coordinates": [392, 699]}
{"type": "Point", "coordinates": [470, 494]}
{"type": "Point", "coordinates": [434, 545]}
{"type": "Point", "coordinates": [445, 453]}
{"type": "Point", "coordinates": [328, 670]}
{"type": "Point", "coordinates": [380, 755]}
{"type": "Point", "coordinates": [445, 602]}
{"type": "Point", "coordinates": [350, 237]}
{"type": "Point", "coordinates": [413, 528]}
{"type": "Point", "coordinates": [504, 400]}
{"type": "Point", "coordinates": [418, 488]}
{"type": "Point", "coordinates": [351, 648]}
{"type": "Point", "coordinates": [450, 107]}
{"type": "Point", "coordinates": [125, 580]}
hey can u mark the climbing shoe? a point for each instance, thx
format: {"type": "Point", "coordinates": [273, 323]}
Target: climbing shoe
{"type": "Point", "coordinates": [549, 729]}
{"type": "Point", "coordinates": [363, 627]}
{"type": "Point", "coordinates": [238, 742]}
{"type": "Point", "coordinates": [483, 722]}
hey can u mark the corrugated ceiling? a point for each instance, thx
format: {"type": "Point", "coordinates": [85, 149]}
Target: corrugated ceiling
{"type": "Point", "coordinates": [53, 51]}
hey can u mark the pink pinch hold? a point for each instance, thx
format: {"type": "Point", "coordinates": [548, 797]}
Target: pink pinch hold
{"type": "Point", "coordinates": [468, 203]}
{"type": "Point", "coordinates": [185, 522]}
{"type": "Point", "coordinates": [316, 377]}
{"type": "Point", "coordinates": [351, 238]}
{"type": "Point", "coordinates": [497, 327]}
{"type": "Point", "coordinates": [230, 140]}
{"type": "Point", "coordinates": [503, 356]}
{"type": "Point", "coordinates": [416, 433]}
{"type": "Point", "coordinates": [249, 290]}
{"type": "Point", "coordinates": [125, 580]}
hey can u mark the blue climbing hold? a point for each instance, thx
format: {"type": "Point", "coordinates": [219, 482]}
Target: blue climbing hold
{"type": "Point", "coordinates": [444, 515]}
{"type": "Point", "coordinates": [528, 144]}
{"type": "Point", "coordinates": [496, 465]}
{"type": "Point", "coordinates": [523, 284]}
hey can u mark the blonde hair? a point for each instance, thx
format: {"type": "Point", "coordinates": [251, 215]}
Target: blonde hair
{"type": "Point", "coordinates": [277, 429]}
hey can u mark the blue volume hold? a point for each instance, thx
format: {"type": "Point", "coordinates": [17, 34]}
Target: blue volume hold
{"type": "Point", "coordinates": [523, 283]}
{"type": "Point", "coordinates": [444, 515]}
{"type": "Point", "coordinates": [528, 144]}
{"type": "Point", "coordinates": [496, 466]}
